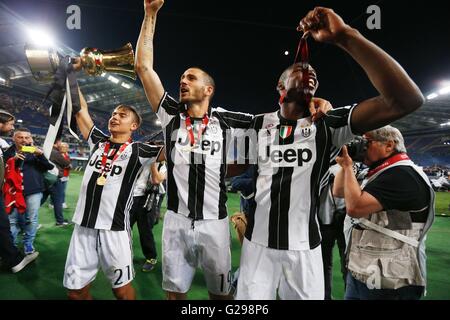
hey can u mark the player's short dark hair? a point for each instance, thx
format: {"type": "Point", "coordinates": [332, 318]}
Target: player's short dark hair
{"type": "Point", "coordinates": [209, 80]}
{"type": "Point", "coordinates": [22, 129]}
{"type": "Point", "coordinates": [5, 116]}
{"type": "Point", "coordinates": [133, 110]}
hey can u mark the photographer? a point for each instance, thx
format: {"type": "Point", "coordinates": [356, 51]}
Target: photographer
{"type": "Point", "coordinates": [391, 212]}
{"type": "Point", "coordinates": [24, 158]}
{"type": "Point", "coordinates": [331, 218]}
{"type": "Point", "coordinates": [145, 210]}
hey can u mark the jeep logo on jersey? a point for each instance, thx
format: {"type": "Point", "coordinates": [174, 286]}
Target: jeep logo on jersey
{"type": "Point", "coordinates": [292, 155]}
{"type": "Point", "coordinates": [97, 163]}
{"type": "Point", "coordinates": [205, 146]}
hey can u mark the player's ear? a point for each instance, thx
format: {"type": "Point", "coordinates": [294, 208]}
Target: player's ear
{"type": "Point", "coordinates": [209, 90]}
{"type": "Point", "coordinates": [389, 145]}
{"type": "Point", "coordinates": [280, 86]}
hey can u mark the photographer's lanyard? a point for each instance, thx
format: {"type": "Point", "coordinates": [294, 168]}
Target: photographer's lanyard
{"type": "Point", "coordinates": [190, 129]}
{"type": "Point", "coordinates": [102, 179]}
{"type": "Point", "coordinates": [388, 162]}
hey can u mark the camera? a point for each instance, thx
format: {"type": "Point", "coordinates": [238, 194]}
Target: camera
{"type": "Point", "coordinates": [29, 149]}
{"type": "Point", "coordinates": [357, 148]}
{"type": "Point", "coordinates": [152, 197]}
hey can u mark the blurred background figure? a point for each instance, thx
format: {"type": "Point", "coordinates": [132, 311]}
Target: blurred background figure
{"type": "Point", "coordinates": [64, 149]}
{"type": "Point", "coordinates": [31, 165]}
{"type": "Point", "coordinates": [57, 189]}
{"type": "Point", "coordinates": [331, 218]}
{"type": "Point", "coordinates": [10, 257]}
{"type": "Point", "coordinates": [245, 185]}
{"type": "Point", "coordinates": [148, 195]}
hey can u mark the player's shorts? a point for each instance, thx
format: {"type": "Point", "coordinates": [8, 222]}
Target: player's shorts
{"type": "Point", "coordinates": [293, 274]}
{"type": "Point", "coordinates": [91, 249]}
{"type": "Point", "coordinates": [186, 247]}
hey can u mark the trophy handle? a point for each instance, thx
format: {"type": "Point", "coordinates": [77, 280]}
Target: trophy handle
{"type": "Point", "coordinates": [43, 62]}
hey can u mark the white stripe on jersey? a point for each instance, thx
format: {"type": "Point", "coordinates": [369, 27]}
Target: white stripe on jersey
{"type": "Point", "coordinates": [290, 170]}
{"type": "Point", "coordinates": [196, 189]}
{"type": "Point", "coordinates": [106, 207]}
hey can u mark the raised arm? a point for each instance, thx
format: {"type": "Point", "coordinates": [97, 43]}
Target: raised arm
{"type": "Point", "coordinates": [84, 120]}
{"type": "Point", "coordinates": [399, 95]}
{"type": "Point", "coordinates": [153, 87]}
{"type": "Point", "coordinates": [338, 185]}
{"type": "Point", "coordinates": [157, 177]}
{"type": "Point", "coordinates": [358, 203]}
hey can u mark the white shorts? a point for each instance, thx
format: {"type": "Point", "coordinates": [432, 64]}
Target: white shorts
{"type": "Point", "coordinates": [207, 246]}
{"type": "Point", "coordinates": [297, 275]}
{"type": "Point", "coordinates": [91, 249]}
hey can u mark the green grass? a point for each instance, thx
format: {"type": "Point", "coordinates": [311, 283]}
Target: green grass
{"type": "Point", "coordinates": [43, 279]}
{"type": "Point", "coordinates": [443, 203]}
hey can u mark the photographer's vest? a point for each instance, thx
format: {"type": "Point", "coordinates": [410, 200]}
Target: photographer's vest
{"type": "Point", "coordinates": [387, 250]}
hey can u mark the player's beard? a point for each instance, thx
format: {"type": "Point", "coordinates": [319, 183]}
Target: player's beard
{"type": "Point", "coordinates": [298, 96]}
{"type": "Point", "coordinates": [5, 133]}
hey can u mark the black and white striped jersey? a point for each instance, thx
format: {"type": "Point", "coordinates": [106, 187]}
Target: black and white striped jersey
{"type": "Point", "coordinates": [293, 157]}
{"type": "Point", "coordinates": [107, 207]}
{"type": "Point", "coordinates": [196, 176]}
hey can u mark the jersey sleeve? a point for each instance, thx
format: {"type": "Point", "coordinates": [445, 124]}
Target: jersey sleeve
{"type": "Point", "coordinates": [236, 120]}
{"type": "Point", "coordinates": [167, 109]}
{"type": "Point", "coordinates": [148, 153]}
{"type": "Point", "coordinates": [338, 120]}
{"type": "Point", "coordinates": [96, 136]}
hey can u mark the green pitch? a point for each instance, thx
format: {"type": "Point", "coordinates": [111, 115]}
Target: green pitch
{"type": "Point", "coordinates": [43, 279]}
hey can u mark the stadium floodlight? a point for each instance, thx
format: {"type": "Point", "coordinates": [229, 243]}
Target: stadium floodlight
{"type": "Point", "coordinates": [40, 37]}
{"type": "Point", "coordinates": [445, 124]}
{"type": "Point", "coordinates": [444, 90]}
{"type": "Point", "coordinates": [113, 79]}
{"type": "Point", "coordinates": [19, 120]}
{"type": "Point", "coordinates": [125, 85]}
{"type": "Point", "coordinates": [432, 96]}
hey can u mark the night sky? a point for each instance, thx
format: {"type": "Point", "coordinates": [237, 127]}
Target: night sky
{"type": "Point", "coordinates": [242, 43]}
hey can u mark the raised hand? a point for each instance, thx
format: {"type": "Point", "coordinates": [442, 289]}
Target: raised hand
{"type": "Point", "coordinates": [76, 64]}
{"type": "Point", "coordinates": [344, 159]}
{"type": "Point", "coordinates": [323, 24]}
{"type": "Point", "coordinates": [38, 152]}
{"type": "Point", "coordinates": [318, 108]}
{"type": "Point", "coordinates": [19, 156]}
{"type": "Point", "coordinates": [152, 6]}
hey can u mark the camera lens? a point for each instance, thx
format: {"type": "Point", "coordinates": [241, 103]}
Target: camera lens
{"type": "Point", "coordinates": [357, 148]}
